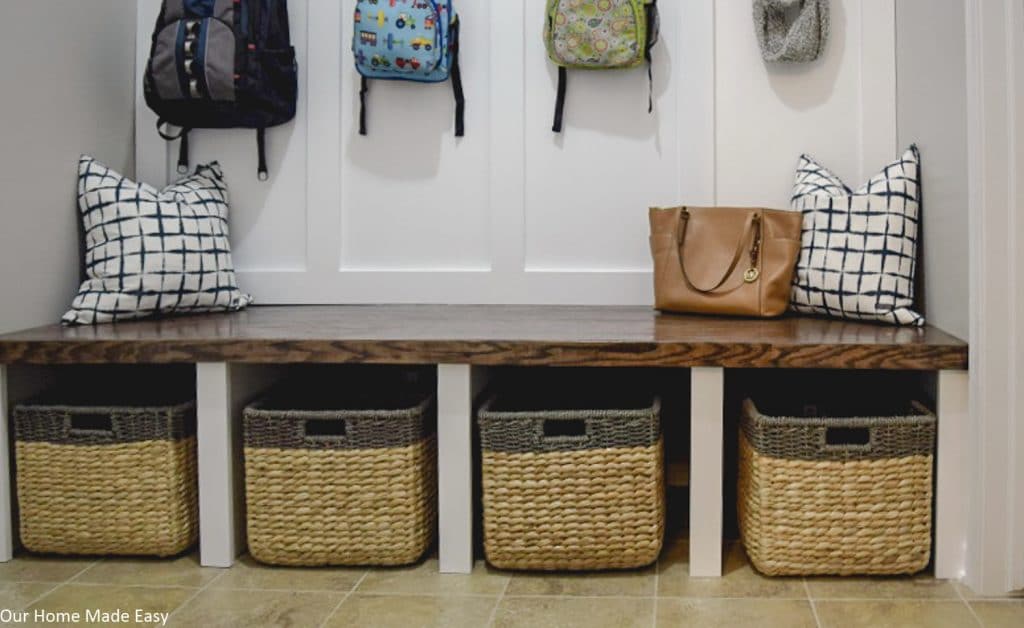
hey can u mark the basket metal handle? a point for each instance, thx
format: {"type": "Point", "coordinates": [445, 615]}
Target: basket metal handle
{"type": "Point", "coordinates": [325, 430]}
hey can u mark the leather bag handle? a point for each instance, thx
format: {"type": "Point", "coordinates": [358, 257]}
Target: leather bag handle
{"type": "Point", "coordinates": [753, 224]}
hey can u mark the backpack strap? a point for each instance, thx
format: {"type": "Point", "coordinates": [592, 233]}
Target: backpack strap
{"type": "Point", "coordinates": [456, 74]}
{"type": "Point", "coordinates": [650, 81]}
{"type": "Point", "coordinates": [160, 124]}
{"type": "Point", "coordinates": [182, 146]}
{"type": "Point", "coordinates": [183, 152]}
{"type": "Point", "coordinates": [364, 89]}
{"type": "Point", "coordinates": [261, 149]}
{"type": "Point", "coordinates": [563, 80]}
{"type": "Point", "coordinates": [653, 26]}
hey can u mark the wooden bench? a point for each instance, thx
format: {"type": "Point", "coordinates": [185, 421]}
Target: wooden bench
{"type": "Point", "coordinates": [235, 355]}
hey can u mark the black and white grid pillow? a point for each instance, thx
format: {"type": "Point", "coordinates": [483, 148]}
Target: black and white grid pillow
{"type": "Point", "coordinates": [859, 250]}
{"type": "Point", "coordinates": [149, 251]}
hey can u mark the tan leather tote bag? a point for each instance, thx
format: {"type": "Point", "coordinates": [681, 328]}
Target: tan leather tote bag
{"type": "Point", "coordinates": [724, 260]}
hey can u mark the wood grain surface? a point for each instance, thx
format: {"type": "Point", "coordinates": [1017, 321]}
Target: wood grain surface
{"type": "Point", "coordinates": [491, 335]}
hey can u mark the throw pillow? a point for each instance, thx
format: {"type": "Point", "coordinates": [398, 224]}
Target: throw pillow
{"type": "Point", "coordinates": [153, 252]}
{"type": "Point", "coordinates": [859, 249]}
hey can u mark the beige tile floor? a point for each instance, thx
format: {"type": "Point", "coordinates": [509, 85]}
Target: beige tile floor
{"type": "Point", "coordinates": [250, 595]}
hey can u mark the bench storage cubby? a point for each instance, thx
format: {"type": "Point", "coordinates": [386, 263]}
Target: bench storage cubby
{"type": "Point", "coordinates": [106, 477]}
{"type": "Point", "coordinates": [573, 481]}
{"type": "Point", "coordinates": [837, 493]}
{"type": "Point", "coordinates": [341, 474]}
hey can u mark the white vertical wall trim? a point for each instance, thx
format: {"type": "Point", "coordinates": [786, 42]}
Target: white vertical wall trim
{"type": "Point", "coordinates": [994, 32]}
{"type": "Point", "coordinates": [508, 141]}
{"type": "Point", "coordinates": [696, 140]}
{"type": "Point", "coordinates": [877, 85]}
{"type": "Point", "coordinates": [324, 176]}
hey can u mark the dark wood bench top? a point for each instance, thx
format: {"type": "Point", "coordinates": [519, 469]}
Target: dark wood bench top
{"type": "Point", "coordinates": [490, 335]}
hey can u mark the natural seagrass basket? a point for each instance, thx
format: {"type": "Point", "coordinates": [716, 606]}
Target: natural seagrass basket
{"type": "Point", "coordinates": [572, 489]}
{"type": "Point", "coordinates": [98, 479]}
{"type": "Point", "coordinates": [343, 480]}
{"type": "Point", "coordinates": [836, 496]}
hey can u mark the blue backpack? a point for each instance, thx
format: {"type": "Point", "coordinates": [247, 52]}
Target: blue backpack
{"type": "Point", "coordinates": [408, 40]}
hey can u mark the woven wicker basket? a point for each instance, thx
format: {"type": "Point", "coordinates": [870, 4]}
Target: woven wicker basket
{"type": "Point", "coordinates": [350, 485]}
{"type": "Point", "coordinates": [572, 489]}
{"type": "Point", "coordinates": [106, 480]}
{"type": "Point", "coordinates": [836, 496]}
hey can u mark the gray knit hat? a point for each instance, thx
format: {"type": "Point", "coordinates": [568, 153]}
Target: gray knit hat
{"type": "Point", "coordinates": [799, 42]}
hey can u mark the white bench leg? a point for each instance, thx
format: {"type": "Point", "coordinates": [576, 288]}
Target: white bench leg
{"type": "Point", "coordinates": [6, 473]}
{"type": "Point", "coordinates": [455, 467]}
{"type": "Point", "coordinates": [707, 401]}
{"type": "Point", "coordinates": [950, 497]}
{"type": "Point", "coordinates": [222, 390]}
{"type": "Point", "coordinates": [221, 496]}
{"type": "Point", "coordinates": [16, 385]}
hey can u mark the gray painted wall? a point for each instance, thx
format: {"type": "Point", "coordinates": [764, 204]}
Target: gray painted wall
{"type": "Point", "coordinates": [931, 97]}
{"type": "Point", "coordinates": [67, 73]}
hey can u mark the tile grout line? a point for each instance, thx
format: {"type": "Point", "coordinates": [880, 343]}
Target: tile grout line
{"type": "Point", "coordinates": [85, 569]}
{"type": "Point", "coordinates": [189, 599]}
{"type": "Point", "coordinates": [537, 596]}
{"type": "Point", "coordinates": [970, 608]}
{"type": "Point", "coordinates": [130, 586]}
{"type": "Point", "coordinates": [783, 598]}
{"type": "Point", "coordinates": [501, 596]}
{"type": "Point", "coordinates": [371, 593]}
{"type": "Point", "coordinates": [657, 573]}
{"type": "Point", "coordinates": [271, 590]}
{"type": "Point", "coordinates": [60, 584]}
{"type": "Point", "coordinates": [344, 598]}
{"type": "Point", "coordinates": [810, 600]}
{"type": "Point", "coordinates": [897, 598]}
{"type": "Point", "coordinates": [44, 594]}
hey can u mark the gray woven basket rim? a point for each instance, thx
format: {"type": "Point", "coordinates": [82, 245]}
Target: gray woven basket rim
{"type": "Point", "coordinates": [258, 409]}
{"type": "Point", "coordinates": [104, 409]}
{"type": "Point", "coordinates": [924, 417]}
{"type": "Point", "coordinates": [37, 422]}
{"type": "Point", "coordinates": [485, 412]}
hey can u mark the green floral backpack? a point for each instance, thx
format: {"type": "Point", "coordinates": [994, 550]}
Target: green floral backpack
{"type": "Point", "coordinates": [599, 35]}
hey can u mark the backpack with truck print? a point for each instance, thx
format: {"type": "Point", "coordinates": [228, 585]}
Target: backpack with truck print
{"type": "Point", "coordinates": [218, 64]}
{"type": "Point", "coordinates": [599, 35]}
{"type": "Point", "coordinates": [407, 40]}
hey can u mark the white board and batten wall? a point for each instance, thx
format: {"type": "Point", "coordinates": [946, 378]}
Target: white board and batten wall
{"type": "Point", "coordinates": [513, 213]}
